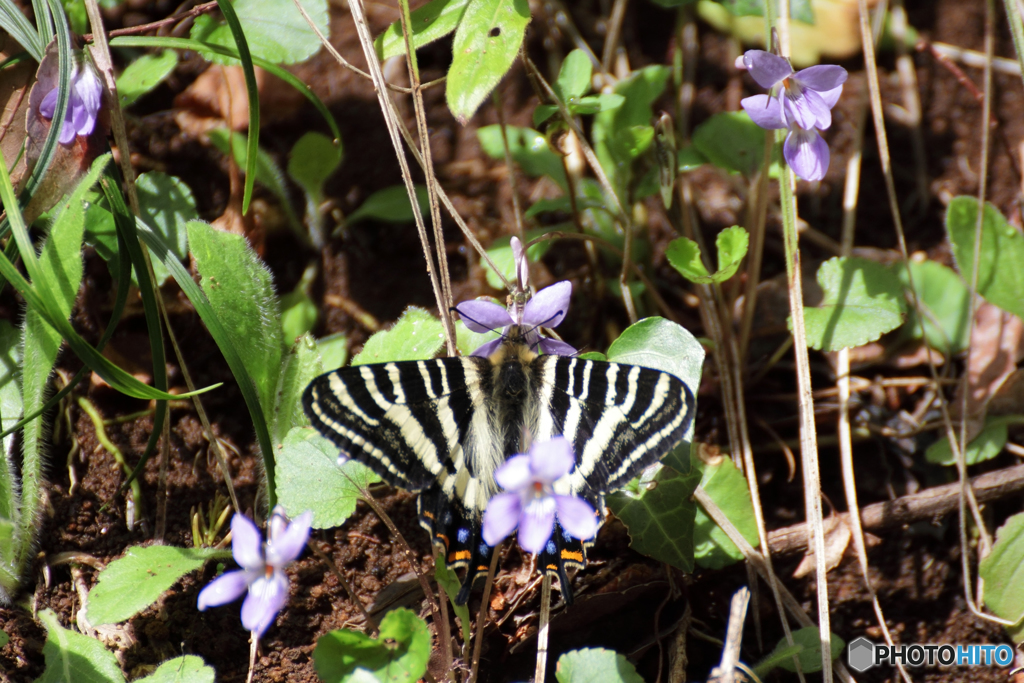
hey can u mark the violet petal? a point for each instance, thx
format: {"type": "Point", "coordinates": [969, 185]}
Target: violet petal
{"type": "Point", "coordinates": [522, 265]}
{"type": "Point", "coordinates": [487, 348]}
{"type": "Point", "coordinates": [536, 523]}
{"type": "Point", "coordinates": [287, 546]}
{"type": "Point", "coordinates": [765, 68]}
{"type": "Point", "coordinates": [764, 111]}
{"type": "Point", "coordinates": [246, 543]}
{"type": "Point", "coordinates": [483, 316]}
{"type": "Point", "coordinates": [830, 97]}
{"type": "Point", "coordinates": [47, 108]}
{"type": "Point", "coordinates": [806, 153]}
{"type": "Point", "coordinates": [501, 517]}
{"type": "Point", "coordinates": [798, 110]}
{"type": "Point", "coordinates": [267, 595]}
{"type": "Point", "coordinates": [556, 347]}
{"type": "Point", "coordinates": [576, 517]}
{"type": "Point", "coordinates": [548, 306]}
{"type": "Point", "coordinates": [515, 473]}
{"type": "Point", "coordinates": [89, 92]}
{"type": "Point", "coordinates": [225, 588]}
{"type": "Point", "coordinates": [551, 460]}
{"type": "Point", "coordinates": [822, 112]}
{"type": "Point", "coordinates": [821, 77]}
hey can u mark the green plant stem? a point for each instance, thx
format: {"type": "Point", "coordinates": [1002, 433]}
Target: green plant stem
{"type": "Point", "coordinates": [101, 436]}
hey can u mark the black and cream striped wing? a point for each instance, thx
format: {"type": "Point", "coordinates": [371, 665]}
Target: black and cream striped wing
{"type": "Point", "coordinates": [405, 420]}
{"type": "Point", "coordinates": [620, 418]}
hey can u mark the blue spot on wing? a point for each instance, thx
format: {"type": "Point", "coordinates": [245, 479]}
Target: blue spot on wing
{"type": "Point", "coordinates": [463, 535]}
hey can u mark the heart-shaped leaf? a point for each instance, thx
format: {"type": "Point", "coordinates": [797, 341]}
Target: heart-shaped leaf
{"type": "Point", "coordinates": [398, 655]}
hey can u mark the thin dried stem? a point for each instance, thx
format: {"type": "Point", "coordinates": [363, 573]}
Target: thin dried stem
{"type": "Point", "coordinates": [850, 196]}
{"type": "Point", "coordinates": [543, 629]}
{"type": "Point", "coordinates": [366, 41]}
{"type": "Point", "coordinates": [428, 170]}
{"type": "Point", "coordinates": [808, 432]}
{"type": "Point", "coordinates": [1017, 31]}
{"type": "Point", "coordinates": [481, 616]}
{"type": "Point", "coordinates": [611, 40]}
{"type": "Point", "coordinates": [510, 165]}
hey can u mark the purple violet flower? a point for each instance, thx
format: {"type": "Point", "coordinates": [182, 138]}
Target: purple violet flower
{"type": "Point", "coordinates": [546, 308]}
{"type": "Point", "coordinates": [530, 503]}
{"type": "Point", "coordinates": [262, 568]}
{"type": "Point", "coordinates": [83, 106]}
{"type": "Point", "coordinates": [803, 104]}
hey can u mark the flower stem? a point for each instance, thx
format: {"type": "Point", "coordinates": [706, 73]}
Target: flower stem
{"type": "Point", "coordinates": [779, 11]}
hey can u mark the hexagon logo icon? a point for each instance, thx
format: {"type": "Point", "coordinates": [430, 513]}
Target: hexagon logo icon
{"type": "Point", "coordinates": [860, 655]}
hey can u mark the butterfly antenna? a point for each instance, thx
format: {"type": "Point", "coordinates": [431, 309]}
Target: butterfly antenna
{"type": "Point", "coordinates": [463, 315]}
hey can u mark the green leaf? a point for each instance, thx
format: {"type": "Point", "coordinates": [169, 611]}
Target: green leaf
{"type": "Point", "coordinates": [134, 582]}
{"type": "Point", "coordinates": [662, 345]}
{"type": "Point", "coordinates": [449, 580]}
{"type": "Point", "coordinates": [574, 77]}
{"type": "Point", "coordinates": [433, 20]}
{"type": "Point", "coordinates": [186, 669]}
{"type": "Point", "coordinates": [690, 158]}
{"type": "Point", "coordinates": [619, 134]}
{"type": "Point", "coordinates": [946, 306]}
{"type": "Point", "coordinates": [298, 313]}
{"type": "Point", "coordinates": [101, 235]}
{"type": "Point", "coordinates": [528, 148]}
{"type": "Point", "coordinates": [501, 253]}
{"type": "Point", "coordinates": [595, 665]}
{"type": "Point", "coordinates": [562, 204]}
{"type": "Point", "coordinates": [1001, 264]}
{"type": "Point", "coordinates": [274, 30]}
{"type": "Point", "coordinates": [59, 268]}
{"type": "Point", "coordinates": [800, 10]}
{"type": "Point", "coordinates": [660, 518]}
{"type": "Point", "coordinates": [416, 336]}
{"type": "Point", "coordinates": [71, 656]}
{"type": "Point", "coordinates": [398, 655]}
{"type": "Point", "coordinates": [333, 350]}
{"type": "Point", "coordinates": [144, 74]}
{"type": "Point", "coordinates": [239, 287]}
{"type": "Point", "coordinates": [313, 159]}
{"type": "Point", "coordinates": [728, 488]}
{"type": "Point", "coordinates": [166, 204]}
{"type": "Point", "coordinates": [684, 255]}
{"type": "Point", "coordinates": [11, 409]}
{"type": "Point", "coordinates": [486, 43]}
{"type": "Point", "coordinates": [986, 445]}
{"type": "Point", "coordinates": [731, 141]}
{"type": "Point", "coordinates": [807, 648]}
{"type": "Point", "coordinates": [863, 300]}
{"type": "Point", "coordinates": [4, 638]}
{"type": "Point", "coordinates": [1003, 573]}
{"type": "Point", "coordinates": [298, 368]}
{"type": "Point", "coordinates": [309, 478]}
{"type": "Point", "coordinates": [391, 205]}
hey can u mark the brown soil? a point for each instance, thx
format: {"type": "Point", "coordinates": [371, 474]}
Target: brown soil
{"type": "Point", "coordinates": [627, 602]}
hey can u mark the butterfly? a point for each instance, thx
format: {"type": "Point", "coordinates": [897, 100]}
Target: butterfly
{"type": "Point", "coordinates": [442, 427]}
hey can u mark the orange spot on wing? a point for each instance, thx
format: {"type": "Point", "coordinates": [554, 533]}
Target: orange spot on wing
{"type": "Point", "coordinates": [570, 555]}
{"type": "Point", "coordinates": [459, 555]}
